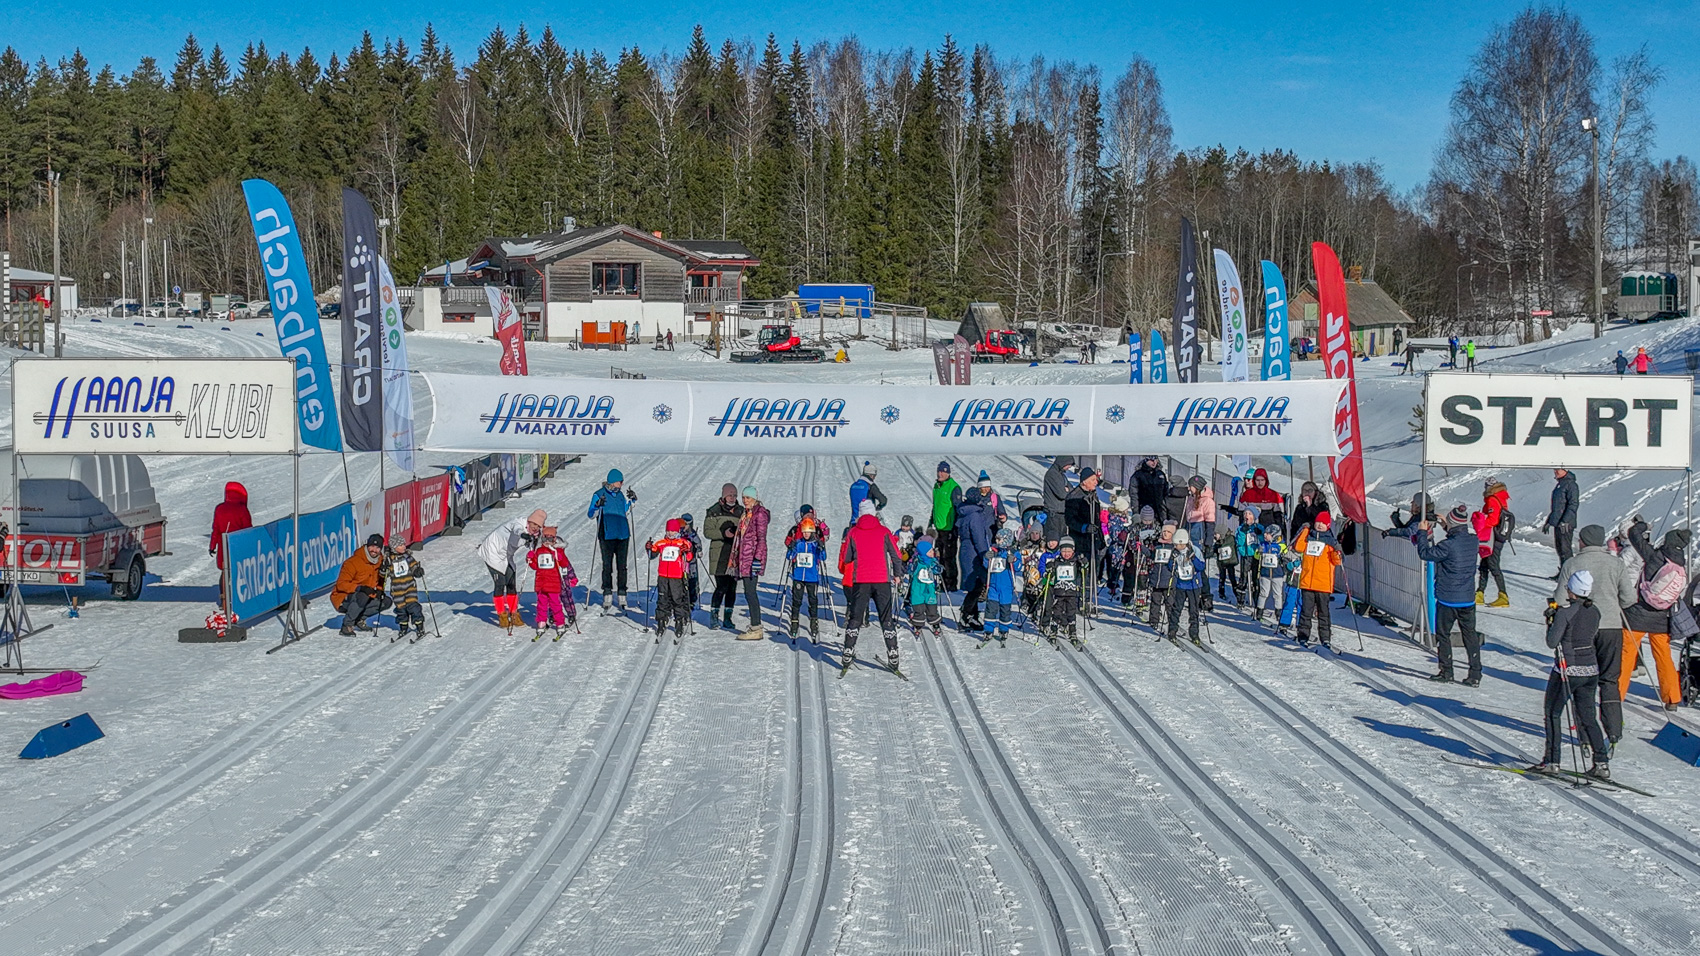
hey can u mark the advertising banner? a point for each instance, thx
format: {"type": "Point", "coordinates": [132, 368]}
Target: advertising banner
{"type": "Point", "coordinates": [509, 465]}
{"type": "Point", "coordinates": [486, 413]}
{"type": "Point", "coordinates": [468, 478]}
{"type": "Point", "coordinates": [1159, 359]}
{"type": "Point", "coordinates": [400, 503]}
{"type": "Point", "coordinates": [294, 313]}
{"type": "Point", "coordinates": [510, 331]}
{"type": "Point", "coordinates": [1277, 362]}
{"type": "Point", "coordinates": [398, 390]}
{"type": "Point", "coordinates": [368, 517]}
{"type": "Point", "coordinates": [261, 559]}
{"type": "Point", "coordinates": [431, 508]}
{"type": "Point", "coordinates": [489, 483]}
{"type": "Point", "coordinates": [1494, 420]}
{"type": "Point", "coordinates": [1183, 324]}
{"type": "Point", "coordinates": [154, 406]}
{"type": "Point", "coordinates": [362, 338]}
{"type": "Point", "coordinates": [1336, 328]}
{"type": "Point", "coordinates": [1235, 367]}
{"type": "Point", "coordinates": [962, 356]}
{"type": "Point", "coordinates": [1135, 370]}
{"type": "Point", "coordinates": [941, 363]}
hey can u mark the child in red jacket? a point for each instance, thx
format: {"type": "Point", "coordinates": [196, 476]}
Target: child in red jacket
{"type": "Point", "coordinates": [674, 559]}
{"type": "Point", "coordinates": [554, 583]}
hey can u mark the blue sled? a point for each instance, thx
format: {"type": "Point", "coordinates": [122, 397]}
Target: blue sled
{"type": "Point", "coordinates": [59, 738]}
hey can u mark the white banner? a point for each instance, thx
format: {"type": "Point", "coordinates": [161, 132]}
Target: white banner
{"type": "Point", "coordinates": [398, 389]}
{"type": "Point", "coordinates": [154, 406]}
{"type": "Point", "coordinates": [484, 413]}
{"type": "Point", "coordinates": [1558, 421]}
{"type": "Point", "coordinates": [1231, 294]}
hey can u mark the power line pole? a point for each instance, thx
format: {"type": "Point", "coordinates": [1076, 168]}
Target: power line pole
{"type": "Point", "coordinates": [1592, 125]}
{"type": "Point", "coordinates": [58, 290]}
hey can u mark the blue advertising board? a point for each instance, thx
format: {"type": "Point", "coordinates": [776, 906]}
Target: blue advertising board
{"type": "Point", "coordinates": [260, 562]}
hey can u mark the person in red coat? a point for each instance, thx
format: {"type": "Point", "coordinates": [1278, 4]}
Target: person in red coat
{"type": "Point", "coordinates": [228, 518]}
{"type": "Point", "coordinates": [867, 558]}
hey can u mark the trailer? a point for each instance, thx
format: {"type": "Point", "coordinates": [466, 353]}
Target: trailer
{"type": "Point", "coordinates": [1648, 296]}
{"type": "Point", "coordinates": [83, 516]}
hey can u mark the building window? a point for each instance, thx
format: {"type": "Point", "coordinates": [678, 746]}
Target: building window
{"type": "Point", "coordinates": [457, 317]}
{"type": "Point", "coordinates": [614, 278]}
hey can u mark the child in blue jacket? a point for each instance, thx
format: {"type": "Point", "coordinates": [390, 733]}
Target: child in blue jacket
{"type": "Point", "coordinates": [1003, 583]}
{"type": "Point", "coordinates": [1190, 585]}
{"type": "Point", "coordinates": [924, 574]}
{"type": "Point", "coordinates": [805, 556]}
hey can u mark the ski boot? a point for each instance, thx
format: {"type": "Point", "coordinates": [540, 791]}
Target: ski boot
{"type": "Point", "coordinates": [1074, 638]}
{"type": "Point", "coordinates": [1544, 768]}
{"type": "Point", "coordinates": [814, 629]}
{"type": "Point", "coordinates": [539, 635]}
{"type": "Point", "coordinates": [849, 659]}
{"type": "Point", "coordinates": [560, 632]}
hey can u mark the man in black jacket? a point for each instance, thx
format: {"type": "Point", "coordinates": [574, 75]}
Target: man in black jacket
{"type": "Point", "coordinates": [1151, 488]}
{"type": "Point", "coordinates": [1561, 520]}
{"type": "Point", "coordinates": [1082, 514]}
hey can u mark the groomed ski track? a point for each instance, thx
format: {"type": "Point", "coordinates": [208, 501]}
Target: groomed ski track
{"type": "Point", "coordinates": [609, 794]}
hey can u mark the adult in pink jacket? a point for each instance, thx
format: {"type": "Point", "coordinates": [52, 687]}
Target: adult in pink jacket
{"type": "Point", "coordinates": [749, 556]}
{"type": "Point", "coordinates": [867, 559]}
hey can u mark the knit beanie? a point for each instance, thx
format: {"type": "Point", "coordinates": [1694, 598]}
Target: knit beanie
{"type": "Point", "coordinates": [1581, 583]}
{"type": "Point", "coordinates": [750, 492]}
{"type": "Point", "coordinates": [1147, 514]}
{"type": "Point", "coordinates": [944, 466]}
{"type": "Point", "coordinates": [865, 508]}
{"type": "Point", "coordinates": [1592, 536]}
{"type": "Point", "coordinates": [1460, 514]}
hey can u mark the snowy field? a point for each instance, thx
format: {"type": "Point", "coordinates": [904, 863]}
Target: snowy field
{"type": "Point", "coordinates": [480, 793]}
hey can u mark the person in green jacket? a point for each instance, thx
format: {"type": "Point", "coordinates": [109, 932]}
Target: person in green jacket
{"type": "Point", "coordinates": [947, 494]}
{"type": "Point", "coordinates": [1470, 355]}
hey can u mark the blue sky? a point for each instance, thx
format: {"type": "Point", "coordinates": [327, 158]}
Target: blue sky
{"type": "Point", "coordinates": [1327, 79]}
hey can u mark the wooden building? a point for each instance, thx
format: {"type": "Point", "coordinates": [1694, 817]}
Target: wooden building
{"type": "Point", "coordinates": [1379, 324]}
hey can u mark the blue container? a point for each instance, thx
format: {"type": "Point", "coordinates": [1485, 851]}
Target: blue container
{"type": "Point", "coordinates": [858, 299]}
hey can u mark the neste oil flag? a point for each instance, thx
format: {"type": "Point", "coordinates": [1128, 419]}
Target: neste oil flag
{"type": "Point", "coordinates": [1235, 368]}
{"type": "Point", "coordinates": [1336, 331]}
{"type": "Point", "coordinates": [362, 340]}
{"type": "Point", "coordinates": [294, 312]}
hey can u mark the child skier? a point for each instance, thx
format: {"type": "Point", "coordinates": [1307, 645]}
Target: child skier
{"type": "Point", "coordinates": [404, 572]}
{"type": "Point", "coordinates": [553, 583]}
{"type": "Point", "coordinates": [1319, 554]}
{"type": "Point", "coordinates": [1227, 565]}
{"type": "Point", "coordinates": [673, 557]}
{"type": "Point", "coordinates": [1246, 542]}
{"type": "Point", "coordinates": [1190, 587]}
{"type": "Point", "coordinates": [906, 538]}
{"type": "Point", "coordinates": [1161, 577]}
{"type": "Point", "coordinates": [1271, 576]}
{"type": "Point", "coordinates": [1118, 527]}
{"type": "Point", "coordinates": [1003, 570]}
{"type": "Point", "coordinates": [1141, 541]}
{"type": "Point", "coordinates": [806, 556]}
{"type": "Point", "coordinates": [1064, 575]}
{"type": "Point", "coordinates": [1032, 553]}
{"type": "Point", "coordinates": [688, 531]}
{"type": "Point", "coordinates": [923, 579]}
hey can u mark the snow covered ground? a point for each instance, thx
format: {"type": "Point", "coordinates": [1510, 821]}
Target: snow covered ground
{"type": "Point", "coordinates": [480, 793]}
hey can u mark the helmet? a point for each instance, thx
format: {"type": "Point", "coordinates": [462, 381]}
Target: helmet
{"type": "Point", "coordinates": [806, 525]}
{"type": "Point", "coordinates": [1006, 537]}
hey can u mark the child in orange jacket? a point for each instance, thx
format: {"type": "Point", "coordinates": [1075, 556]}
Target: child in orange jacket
{"type": "Point", "coordinates": [1319, 554]}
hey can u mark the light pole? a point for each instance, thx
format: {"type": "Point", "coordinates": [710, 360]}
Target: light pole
{"type": "Point", "coordinates": [142, 308]}
{"type": "Point", "coordinates": [1457, 296]}
{"type": "Point", "coordinates": [384, 239]}
{"type": "Point", "coordinates": [58, 291]}
{"type": "Point", "coordinates": [1592, 125]}
{"type": "Point", "coordinates": [1107, 255]}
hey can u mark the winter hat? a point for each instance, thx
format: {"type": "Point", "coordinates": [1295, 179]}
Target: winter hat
{"type": "Point", "coordinates": [1323, 520]}
{"type": "Point", "coordinates": [537, 517]}
{"type": "Point", "coordinates": [686, 519]}
{"type": "Point", "coordinates": [728, 490]}
{"type": "Point", "coordinates": [375, 541]}
{"type": "Point", "coordinates": [1249, 516]}
{"type": "Point", "coordinates": [614, 476]}
{"type": "Point", "coordinates": [805, 510]}
{"type": "Point", "coordinates": [1676, 541]}
{"type": "Point", "coordinates": [1272, 531]}
{"type": "Point", "coordinates": [1183, 537]}
{"type": "Point", "coordinates": [1196, 481]}
{"type": "Point", "coordinates": [869, 469]}
{"type": "Point", "coordinates": [1490, 481]}
{"type": "Point", "coordinates": [1035, 532]}
{"type": "Point", "coordinates": [550, 531]}
{"type": "Point", "coordinates": [1147, 514]}
{"type": "Point", "coordinates": [865, 508]}
{"type": "Point", "coordinates": [985, 480]}
{"type": "Point", "coordinates": [673, 525]}
{"type": "Point", "coordinates": [1065, 542]}
{"type": "Point", "coordinates": [944, 466]}
{"type": "Point", "coordinates": [1120, 502]}
{"type": "Point", "coordinates": [1086, 473]}
{"type": "Point", "coordinates": [750, 492]}
{"type": "Point", "coordinates": [1460, 514]}
{"type": "Point", "coordinates": [1592, 536]}
{"type": "Point", "coordinates": [924, 546]}
{"type": "Point", "coordinates": [1581, 583]}
{"type": "Point", "coordinates": [1006, 537]}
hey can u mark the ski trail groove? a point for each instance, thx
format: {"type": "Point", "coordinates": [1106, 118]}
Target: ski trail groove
{"type": "Point", "coordinates": [506, 920]}
{"type": "Point", "coordinates": [1343, 929]}
{"type": "Point", "coordinates": [26, 864]}
{"type": "Point", "coordinates": [795, 894]}
{"type": "Point", "coordinates": [1488, 866]}
{"type": "Point", "coordinates": [226, 896]}
{"type": "Point", "coordinates": [1049, 868]}
{"type": "Point", "coordinates": [1652, 835]}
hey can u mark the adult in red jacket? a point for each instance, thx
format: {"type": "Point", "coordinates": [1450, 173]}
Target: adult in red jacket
{"type": "Point", "coordinates": [867, 558]}
{"type": "Point", "coordinates": [1495, 500]}
{"type": "Point", "coordinates": [1270, 505]}
{"type": "Point", "coordinates": [229, 517]}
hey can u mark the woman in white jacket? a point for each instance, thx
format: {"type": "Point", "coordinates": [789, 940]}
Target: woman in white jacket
{"type": "Point", "coordinates": [498, 550]}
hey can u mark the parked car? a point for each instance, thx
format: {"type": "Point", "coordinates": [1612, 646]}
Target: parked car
{"type": "Point", "coordinates": [263, 312]}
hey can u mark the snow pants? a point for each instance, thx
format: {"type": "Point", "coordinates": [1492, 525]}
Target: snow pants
{"type": "Point", "coordinates": [925, 615]}
{"type": "Point", "coordinates": [799, 591]}
{"type": "Point", "coordinates": [672, 603]}
{"type": "Point", "coordinates": [1314, 605]}
{"type": "Point", "coordinates": [409, 612]}
{"type": "Point", "coordinates": [1444, 616]}
{"type": "Point", "coordinates": [1190, 600]}
{"type": "Point", "coordinates": [614, 552]}
{"type": "Point", "coordinates": [997, 616]}
{"type": "Point", "coordinates": [1582, 692]}
{"type": "Point", "coordinates": [1670, 684]}
{"type": "Point", "coordinates": [1065, 607]}
{"type": "Point", "coordinates": [860, 594]}
{"type": "Point", "coordinates": [1272, 589]}
{"type": "Point", "coordinates": [944, 548]}
{"type": "Point", "coordinates": [1489, 566]}
{"type": "Point", "coordinates": [1608, 651]}
{"type": "Point", "coordinates": [1250, 580]}
{"type": "Point", "coordinates": [365, 601]}
{"type": "Point", "coordinates": [1156, 611]}
{"type": "Point", "coordinates": [550, 610]}
{"type": "Point", "coordinates": [1227, 576]}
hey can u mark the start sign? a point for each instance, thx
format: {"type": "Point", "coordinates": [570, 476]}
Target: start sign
{"type": "Point", "coordinates": [1558, 421]}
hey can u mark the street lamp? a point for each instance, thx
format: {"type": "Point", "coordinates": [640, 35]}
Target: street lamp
{"type": "Point", "coordinates": [1107, 255]}
{"type": "Point", "coordinates": [143, 307]}
{"type": "Point", "coordinates": [384, 239]}
{"type": "Point", "coordinates": [1457, 296]}
{"type": "Point", "coordinates": [58, 291]}
{"type": "Point", "coordinates": [1592, 125]}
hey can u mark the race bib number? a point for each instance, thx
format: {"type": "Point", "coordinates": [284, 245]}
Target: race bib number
{"type": "Point", "coordinates": [1224, 554]}
{"type": "Point", "coordinates": [1164, 555]}
{"type": "Point", "coordinates": [1314, 549]}
{"type": "Point", "coordinates": [399, 569]}
{"type": "Point", "coordinates": [669, 553]}
{"type": "Point", "coordinates": [545, 561]}
{"type": "Point", "coordinates": [1271, 559]}
{"type": "Point", "coordinates": [998, 565]}
{"type": "Point", "coordinates": [1184, 572]}
{"type": "Point", "coordinates": [924, 576]}
{"type": "Point", "coordinates": [1147, 534]}
{"type": "Point", "coordinates": [805, 559]}
{"type": "Point", "coordinates": [1065, 573]}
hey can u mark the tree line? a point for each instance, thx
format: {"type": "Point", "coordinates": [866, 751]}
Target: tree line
{"type": "Point", "coordinates": [942, 176]}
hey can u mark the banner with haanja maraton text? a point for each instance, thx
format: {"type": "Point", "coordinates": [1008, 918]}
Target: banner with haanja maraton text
{"type": "Point", "coordinates": [1558, 421]}
{"type": "Point", "coordinates": [154, 406]}
{"type": "Point", "coordinates": [497, 414]}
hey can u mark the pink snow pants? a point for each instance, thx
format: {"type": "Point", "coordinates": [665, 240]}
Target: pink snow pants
{"type": "Point", "coordinates": [549, 609]}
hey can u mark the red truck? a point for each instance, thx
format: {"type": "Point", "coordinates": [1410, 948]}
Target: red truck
{"type": "Point", "coordinates": [83, 516]}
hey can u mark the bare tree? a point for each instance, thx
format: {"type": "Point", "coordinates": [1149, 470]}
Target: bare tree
{"type": "Point", "coordinates": [462, 111]}
{"type": "Point", "coordinates": [1139, 146]}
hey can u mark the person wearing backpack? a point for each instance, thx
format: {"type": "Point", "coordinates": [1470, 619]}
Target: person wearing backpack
{"type": "Point", "coordinates": [1663, 581]}
{"type": "Point", "coordinates": [1493, 528]}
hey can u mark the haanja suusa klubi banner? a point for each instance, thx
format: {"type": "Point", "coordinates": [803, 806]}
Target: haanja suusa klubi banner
{"type": "Point", "coordinates": [487, 413]}
{"type": "Point", "coordinates": [154, 406]}
{"type": "Point", "coordinates": [1558, 421]}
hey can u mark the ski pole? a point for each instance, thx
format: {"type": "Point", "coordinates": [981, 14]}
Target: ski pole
{"type": "Point", "coordinates": [1569, 714]}
{"type": "Point", "coordinates": [1353, 605]}
{"type": "Point", "coordinates": [431, 606]}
